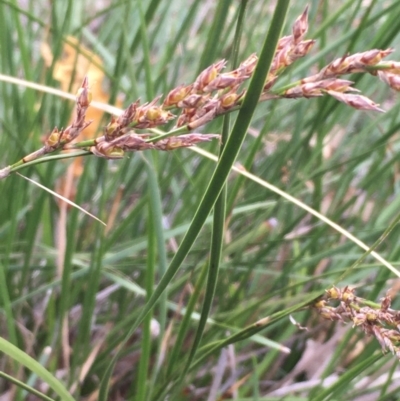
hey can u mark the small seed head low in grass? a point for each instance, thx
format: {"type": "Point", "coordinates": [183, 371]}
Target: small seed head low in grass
{"type": "Point", "coordinates": [380, 321]}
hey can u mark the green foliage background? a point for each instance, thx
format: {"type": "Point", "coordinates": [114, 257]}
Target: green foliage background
{"type": "Point", "coordinates": [273, 257]}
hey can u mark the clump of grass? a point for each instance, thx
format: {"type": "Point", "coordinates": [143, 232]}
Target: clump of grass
{"type": "Point", "coordinates": [83, 346]}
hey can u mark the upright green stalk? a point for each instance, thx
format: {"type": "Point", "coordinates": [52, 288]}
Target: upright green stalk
{"type": "Point", "coordinates": [218, 228]}
{"type": "Point", "coordinates": [219, 177]}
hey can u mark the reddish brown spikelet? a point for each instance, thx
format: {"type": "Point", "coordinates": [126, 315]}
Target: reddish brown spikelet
{"type": "Point", "coordinates": [107, 152]}
{"type": "Point", "coordinates": [84, 95]}
{"type": "Point", "coordinates": [117, 126]}
{"type": "Point", "coordinates": [185, 116]}
{"type": "Point", "coordinates": [193, 101]}
{"type": "Point", "coordinates": [348, 295]}
{"type": "Point", "coordinates": [358, 102]}
{"type": "Point", "coordinates": [378, 335]}
{"type": "Point", "coordinates": [183, 141]}
{"type": "Point", "coordinates": [129, 115]}
{"type": "Point", "coordinates": [372, 57]}
{"type": "Point", "coordinates": [149, 115]}
{"type": "Point", "coordinates": [283, 42]}
{"type": "Point", "coordinates": [229, 100]}
{"type": "Point", "coordinates": [393, 80]}
{"type": "Point", "coordinates": [224, 81]}
{"type": "Point", "coordinates": [112, 129]}
{"type": "Point", "coordinates": [385, 303]}
{"type": "Point", "coordinates": [247, 66]}
{"type": "Point", "coordinates": [333, 293]}
{"type": "Point", "coordinates": [269, 82]}
{"type": "Point", "coordinates": [357, 62]}
{"type": "Point", "coordinates": [177, 95]}
{"type": "Point", "coordinates": [115, 148]}
{"type": "Point", "coordinates": [300, 26]}
{"type": "Point", "coordinates": [53, 139]}
{"type": "Point", "coordinates": [132, 142]}
{"type": "Point", "coordinates": [201, 117]}
{"type": "Point", "coordinates": [301, 50]}
{"type": "Point", "coordinates": [312, 89]}
{"type": "Point", "coordinates": [208, 75]}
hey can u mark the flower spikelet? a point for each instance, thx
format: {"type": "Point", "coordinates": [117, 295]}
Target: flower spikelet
{"type": "Point", "coordinates": [359, 102]}
{"type": "Point", "coordinates": [208, 75]}
{"type": "Point", "coordinates": [183, 141]}
{"type": "Point", "coordinates": [118, 125]}
{"type": "Point", "coordinates": [380, 321]}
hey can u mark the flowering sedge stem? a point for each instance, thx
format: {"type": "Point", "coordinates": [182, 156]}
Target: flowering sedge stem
{"type": "Point", "coordinates": [212, 94]}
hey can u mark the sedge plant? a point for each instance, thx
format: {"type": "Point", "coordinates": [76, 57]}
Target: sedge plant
{"type": "Point", "coordinates": [103, 333]}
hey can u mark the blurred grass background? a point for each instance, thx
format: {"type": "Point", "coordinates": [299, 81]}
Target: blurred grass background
{"type": "Point", "coordinates": [71, 291]}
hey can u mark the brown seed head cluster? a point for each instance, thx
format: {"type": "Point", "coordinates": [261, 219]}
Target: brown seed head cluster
{"type": "Point", "coordinates": [289, 49]}
{"type": "Point", "coordinates": [211, 94]}
{"type": "Point", "coordinates": [215, 92]}
{"type": "Point", "coordinates": [381, 321]}
{"type": "Point", "coordinates": [57, 139]}
{"type": "Point", "coordinates": [326, 81]}
{"type": "Point", "coordinates": [132, 142]}
{"type": "Point", "coordinates": [60, 138]}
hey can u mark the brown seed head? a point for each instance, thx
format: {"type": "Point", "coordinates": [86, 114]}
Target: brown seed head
{"type": "Point", "coordinates": [185, 117]}
{"type": "Point", "coordinates": [300, 26]}
{"type": "Point", "coordinates": [229, 100]}
{"type": "Point", "coordinates": [359, 102]}
{"type": "Point", "coordinates": [224, 81]}
{"type": "Point", "coordinates": [301, 50]}
{"type": "Point", "coordinates": [393, 80]}
{"type": "Point", "coordinates": [320, 304]}
{"type": "Point", "coordinates": [359, 319]}
{"type": "Point", "coordinates": [177, 95]}
{"type": "Point", "coordinates": [333, 293]}
{"type": "Point", "coordinates": [385, 303]}
{"type": "Point", "coordinates": [149, 115]}
{"type": "Point", "coordinates": [247, 66]}
{"type": "Point", "coordinates": [284, 42]}
{"type": "Point", "coordinates": [132, 142]}
{"type": "Point", "coordinates": [371, 315]}
{"type": "Point", "coordinates": [371, 57]}
{"type": "Point", "coordinates": [208, 75]}
{"type": "Point", "coordinates": [54, 138]}
{"type": "Point", "coordinates": [129, 115]}
{"type": "Point", "coordinates": [112, 129]}
{"type": "Point", "coordinates": [107, 152]}
{"type": "Point", "coordinates": [183, 141]}
{"type": "Point", "coordinates": [128, 142]}
{"type": "Point", "coordinates": [84, 95]}
{"type": "Point", "coordinates": [201, 117]}
{"type": "Point", "coordinates": [193, 101]}
{"type": "Point", "coordinates": [348, 295]}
